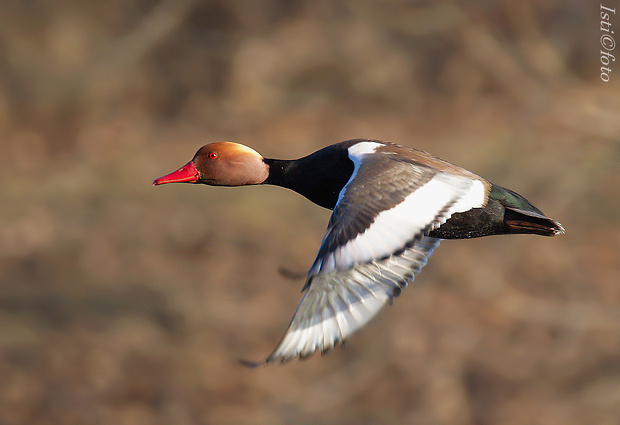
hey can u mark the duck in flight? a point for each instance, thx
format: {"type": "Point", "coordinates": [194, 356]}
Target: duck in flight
{"type": "Point", "coordinates": [391, 205]}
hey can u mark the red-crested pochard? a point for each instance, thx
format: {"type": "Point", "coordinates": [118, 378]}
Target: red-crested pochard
{"type": "Point", "coordinates": [391, 205]}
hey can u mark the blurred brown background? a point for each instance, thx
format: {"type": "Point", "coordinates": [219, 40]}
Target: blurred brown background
{"type": "Point", "coordinates": [121, 303]}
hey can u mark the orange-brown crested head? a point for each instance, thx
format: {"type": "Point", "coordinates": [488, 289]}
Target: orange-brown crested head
{"type": "Point", "coordinates": [221, 164]}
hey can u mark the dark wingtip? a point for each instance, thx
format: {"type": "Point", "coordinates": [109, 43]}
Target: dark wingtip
{"type": "Point", "coordinates": [291, 274]}
{"type": "Point", "coordinates": [252, 364]}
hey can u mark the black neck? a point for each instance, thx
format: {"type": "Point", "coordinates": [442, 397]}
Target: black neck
{"type": "Point", "coordinates": [319, 177]}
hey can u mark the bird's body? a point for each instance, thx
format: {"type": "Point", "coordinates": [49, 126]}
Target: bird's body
{"type": "Point", "coordinates": [391, 207]}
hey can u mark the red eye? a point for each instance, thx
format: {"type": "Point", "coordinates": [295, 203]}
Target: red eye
{"type": "Point", "coordinates": [212, 155]}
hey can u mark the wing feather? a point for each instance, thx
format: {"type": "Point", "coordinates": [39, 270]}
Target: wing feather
{"type": "Point", "coordinates": [374, 246]}
{"type": "Point", "coordinates": [338, 303]}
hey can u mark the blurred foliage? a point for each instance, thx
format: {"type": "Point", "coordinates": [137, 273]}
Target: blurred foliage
{"type": "Point", "coordinates": [125, 304]}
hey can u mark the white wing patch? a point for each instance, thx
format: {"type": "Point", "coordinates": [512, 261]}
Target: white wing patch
{"type": "Point", "coordinates": [424, 209]}
{"type": "Point", "coordinates": [338, 303]}
{"type": "Point", "coordinates": [474, 198]}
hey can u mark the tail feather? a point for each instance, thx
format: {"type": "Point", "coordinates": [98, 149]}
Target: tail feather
{"type": "Point", "coordinates": [522, 221]}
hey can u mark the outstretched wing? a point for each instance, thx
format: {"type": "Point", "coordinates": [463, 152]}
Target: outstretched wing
{"type": "Point", "coordinates": [374, 246]}
{"type": "Point", "coordinates": [339, 302]}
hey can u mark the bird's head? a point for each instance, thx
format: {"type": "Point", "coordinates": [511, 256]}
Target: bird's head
{"type": "Point", "coordinates": [221, 164]}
